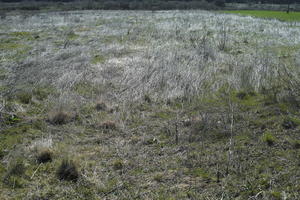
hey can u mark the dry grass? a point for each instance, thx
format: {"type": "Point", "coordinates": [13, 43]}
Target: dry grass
{"type": "Point", "coordinates": [60, 117]}
{"type": "Point", "coordinates": [150, 105]}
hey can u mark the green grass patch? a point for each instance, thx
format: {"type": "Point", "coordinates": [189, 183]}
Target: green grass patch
{"type": "Point", "coordinates": [268, 138]}
{"type": "Point", "coordinates": [98, 59]}
{"type": "Point", "coordinates": [280, 15]}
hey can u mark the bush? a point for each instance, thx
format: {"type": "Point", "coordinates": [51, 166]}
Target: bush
{"type": "Point", "coordinates": [67, 171]}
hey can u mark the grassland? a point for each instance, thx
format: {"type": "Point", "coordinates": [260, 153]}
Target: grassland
{"type": "Point", "coordinates": [148, 105]}
{"type": "Point", "coordinates": [280, 15]}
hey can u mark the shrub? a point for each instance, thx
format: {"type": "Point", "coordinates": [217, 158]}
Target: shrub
{"type": "Point", "coordinates": [44, 156]}
{"type": "Point", "coordinates": [268, 138]}
{"type": "Point", "coordinates": [67, 171]}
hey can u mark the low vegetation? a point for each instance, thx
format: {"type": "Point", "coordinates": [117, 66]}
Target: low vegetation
{"type": "Point", "coordinates": [280, 15]}
{"type": "Point", "coordinates": [148, 105]}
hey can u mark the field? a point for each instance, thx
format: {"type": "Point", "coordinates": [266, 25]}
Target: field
{"type": "Point", "coordinates": [148, 105]}
{"type": "Point", "coordinates": [280, 15]}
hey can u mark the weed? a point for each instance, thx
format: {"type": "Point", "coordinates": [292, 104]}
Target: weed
{"type": "Point", "coordinates": [269, 138]}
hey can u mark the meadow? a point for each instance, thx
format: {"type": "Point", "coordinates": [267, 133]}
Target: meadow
{"type": "Point", "coordinates": [280, 15]}
{"type": "Point", "coordinates": [148, 105]}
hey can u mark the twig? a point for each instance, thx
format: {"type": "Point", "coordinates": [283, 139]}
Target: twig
{"type": "Point", "coordinates": [35, 171]}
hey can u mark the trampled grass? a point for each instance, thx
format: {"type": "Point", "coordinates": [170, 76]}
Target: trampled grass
{"type": "Point", "coordinates": [280, 15]}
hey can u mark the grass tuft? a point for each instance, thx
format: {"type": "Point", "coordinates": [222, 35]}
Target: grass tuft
{"type": "Point", "coordinates": [60, 117]}
{"type": "Point", "coordinates": [118, 165]}
{"type": "Point", "coordinates": [101, 106]}
{"type": "Point", "coordinates": [67, 171]}
{"type": "Point", "coordinates": [269, 138]}
{"type": "Point", "coordinates": [44, 156]}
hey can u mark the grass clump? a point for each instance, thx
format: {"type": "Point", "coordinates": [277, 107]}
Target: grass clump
{"type": "Point", "coordinates": [158, 177]}
{"type": "Point", "coordinates": [296, 144]}
{"type": "Point", "coordinates": [15, 171]}
{"type": "Point", "coordinates": [59, 117]}
{"type": "Point", "coordinates": [45, 155]}
{"type": "Point", "coordinates": [67, 171]}
{"type": "Point", "coordinates": [269, 138]}
{"type": "Point", "coordinates": [24, 97]}
{"type": "Point", "coordinates": [101, 106]}
{"type": "Point", "coordinates": [98, 59]}
{"type": "Point", "coordinates": [290, 123]}
{"type": "Point", "coordinates": [118, 165]}
{"type": "Point", "coordinates": [108, 125]}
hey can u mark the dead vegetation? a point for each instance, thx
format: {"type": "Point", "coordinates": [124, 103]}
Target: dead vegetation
{"type": "Point", "coordinates": [149, 105]}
